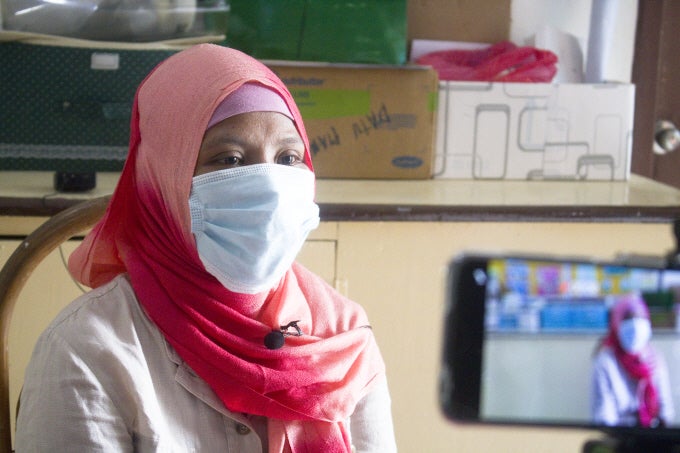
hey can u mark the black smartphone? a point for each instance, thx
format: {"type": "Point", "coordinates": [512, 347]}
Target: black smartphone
{"type": "Point", "coordinates": [524, 338]}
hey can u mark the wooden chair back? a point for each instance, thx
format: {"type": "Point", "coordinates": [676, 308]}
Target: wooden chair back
{"type": "Point", "coordinates": [16, 271]}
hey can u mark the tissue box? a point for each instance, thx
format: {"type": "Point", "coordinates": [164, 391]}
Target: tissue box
{"type": "Point", "coordinates": [365, 121]}
{"type": "Point", "coordinates": [534, 131]}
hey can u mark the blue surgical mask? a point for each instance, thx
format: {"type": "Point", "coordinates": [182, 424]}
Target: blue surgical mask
{"type": "Point", "coordinates": [250, 222]}
{"type": "Point", "coordinates": [634, 334]}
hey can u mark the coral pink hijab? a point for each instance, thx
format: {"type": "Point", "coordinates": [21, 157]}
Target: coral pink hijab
{"type": "Point", "coordinates": [640, 367]}
{"type": "Point", "coordinates": [310, 386]}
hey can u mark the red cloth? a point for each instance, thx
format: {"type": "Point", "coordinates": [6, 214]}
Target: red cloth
{"type": "Point", "coordinates": [640, 366]}
{"type": "Point", "coordinates": [501, 62]}
{"type": "Point", "coordinates": [309, 387]}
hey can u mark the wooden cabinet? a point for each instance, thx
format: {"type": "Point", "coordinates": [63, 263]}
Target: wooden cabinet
{"type": "Point", "coordinates": [386, 245]}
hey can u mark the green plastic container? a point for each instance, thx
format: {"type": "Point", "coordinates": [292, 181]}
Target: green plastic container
{"type": "Point", "coordinates": [339, 31]}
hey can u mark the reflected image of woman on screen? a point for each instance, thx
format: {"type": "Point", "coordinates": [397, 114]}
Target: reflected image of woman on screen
{"type": "Point", "coordinates": [630, 383]}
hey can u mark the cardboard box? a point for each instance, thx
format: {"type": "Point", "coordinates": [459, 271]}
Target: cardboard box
{"type": "Point", "coordinates": [459, 20]}
{"type": "Point", "coordinates": [534, 131]}
{"type": "Point", "coordinates": [366, 121]}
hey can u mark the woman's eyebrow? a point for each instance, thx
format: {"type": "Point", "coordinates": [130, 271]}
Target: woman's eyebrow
{"type": "Point", "coordinates": [291, 140]}
{"type": "Point", "coordinates": [223, 140]}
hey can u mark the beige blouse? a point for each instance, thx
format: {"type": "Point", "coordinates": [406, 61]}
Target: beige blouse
{"type": "Point", "coordinates": [103, 378]}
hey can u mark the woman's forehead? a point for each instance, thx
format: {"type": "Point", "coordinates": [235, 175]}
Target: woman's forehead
{"type": "Point", "coordinates": [633, 310]}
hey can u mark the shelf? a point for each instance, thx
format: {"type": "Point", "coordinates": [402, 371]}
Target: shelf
{"type": "Point", "coordinates": [637, 200]}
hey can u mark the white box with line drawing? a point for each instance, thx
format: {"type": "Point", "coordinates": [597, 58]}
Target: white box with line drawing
{"type": "Point", "coordinates": [534, 131]}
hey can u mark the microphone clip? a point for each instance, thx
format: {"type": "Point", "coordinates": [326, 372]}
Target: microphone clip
{"type": "Point", "coordinates": [294, 325]}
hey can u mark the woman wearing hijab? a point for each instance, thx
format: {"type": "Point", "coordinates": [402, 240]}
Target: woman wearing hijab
{"type": "Point", "coordinates": [202, 333]}
{"type": "Point", "coordinates": [630, 379]}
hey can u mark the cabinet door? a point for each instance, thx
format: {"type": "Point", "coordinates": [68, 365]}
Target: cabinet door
{"type": "Point", "coordinates": [318, 253]}
{"type": "Point", "coordinates": [48, 290]}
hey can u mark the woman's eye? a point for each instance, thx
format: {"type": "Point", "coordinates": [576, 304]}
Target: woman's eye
{"type": "Point", "coordinates": [229, 161]}
{"type": "Point", "coordinates": [289, 159]}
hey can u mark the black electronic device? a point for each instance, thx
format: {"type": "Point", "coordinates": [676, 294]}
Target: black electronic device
{"type": "Point", "coordinates": [521, 333]}
{"type": "Point", "coordinates": [68, 181]}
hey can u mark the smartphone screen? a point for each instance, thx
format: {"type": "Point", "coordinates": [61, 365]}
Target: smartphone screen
{"type": "Point", "coordinates": [528, 340]}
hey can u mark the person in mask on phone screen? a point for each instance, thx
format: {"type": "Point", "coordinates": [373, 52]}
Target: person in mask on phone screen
{"type": "Point", "coordinates": [630, 383]}
{"type": "Point", "coordinates": [202, 333]}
